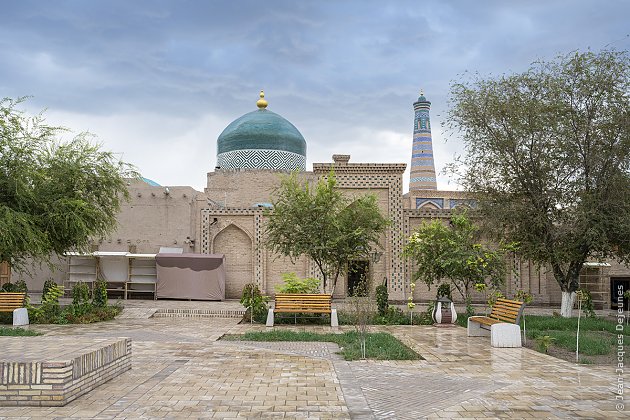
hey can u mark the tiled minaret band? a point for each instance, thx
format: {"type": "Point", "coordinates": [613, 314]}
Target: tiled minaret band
{"type": "Point", "coordinates": [422, 166]}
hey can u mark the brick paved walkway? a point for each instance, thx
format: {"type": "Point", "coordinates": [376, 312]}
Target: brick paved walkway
{"type": "Point", "coordinates": [181, 371]}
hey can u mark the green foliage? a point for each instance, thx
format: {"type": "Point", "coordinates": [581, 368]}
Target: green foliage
{"type": "Point", "coordinates": [54, 195]}
{"type": "Point", "coordinates": [17, 287]}
{"type": "Point", "coordinates": [323, 224]}
{"type": "Point", "coordinates": [99, 294]}
{"type": "Point", "coordinates": [80, 293]}
{"type": "Point", "coordinates": [453, 253]}
{"type": "Point", "coordinates": [294, 284]}
{"type": "Point", "coordinates": [17, 332]}
{"type": "Point", "coordinates": [382, 299]}
{"type": "Point", "coordinates": [48, 284]}
{"type": "Point", "coordinates": [493, 296]}
{"type": "Point", "coordinates": [544, 342]}
{"type": "Point", "coordinates": [524, 296]}
{"type": "Point", "coordinates": [379, 346]}
{"type": "Point", "coordinates": [254, 302]}
{"type": "Point", "coordinates": [548, 158]}
{"type": "Point", "coordinates": [88, 314]}
{"type": "Point", "coordinates": [587, 303]}
{"type": "Point", "coordinates": [444, 290]}
{"type": "Point", "coordinates": [49, 310]}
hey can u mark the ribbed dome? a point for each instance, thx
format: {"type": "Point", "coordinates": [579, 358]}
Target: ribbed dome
{"type": "Point", "coordinates": [261, 140]}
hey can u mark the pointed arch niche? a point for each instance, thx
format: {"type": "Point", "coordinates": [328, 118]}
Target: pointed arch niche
{"type": "Point", "coordinates": [237, 246]}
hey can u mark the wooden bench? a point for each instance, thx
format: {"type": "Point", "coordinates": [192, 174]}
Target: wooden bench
{"type": "Point", "coordinates": [502, 325]}
{"type": "Point", "coordinates": [304, 304]}
{"type": "Point", "coordinates": [10, 302]}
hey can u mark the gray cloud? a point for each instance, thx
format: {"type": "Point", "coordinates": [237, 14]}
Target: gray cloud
{"type": "Point", "coordinates": [153, 72]}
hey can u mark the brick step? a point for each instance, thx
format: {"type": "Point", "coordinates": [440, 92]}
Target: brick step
{"type": "Point", "coordinates": [199, 313]}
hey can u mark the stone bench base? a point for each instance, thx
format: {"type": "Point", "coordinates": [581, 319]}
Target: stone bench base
{"type": "Point", "coordinates": [501, 334]}
{"type": "Point", "coordinates": [52, 371]}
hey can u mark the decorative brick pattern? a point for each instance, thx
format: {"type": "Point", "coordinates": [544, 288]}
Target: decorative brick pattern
{"type": "Point", "coordinates": [378, 176]}
{"type": "Point", "coordinates": [28, 382]}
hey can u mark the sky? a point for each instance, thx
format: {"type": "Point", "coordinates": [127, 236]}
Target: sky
{"type": "Point", "coordinates": [158, 81]}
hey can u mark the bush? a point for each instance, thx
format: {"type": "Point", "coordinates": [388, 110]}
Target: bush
{"type": "Point", "coordinates": [49, 310]}
{"type": "Point", "coordinates": [48, 284]}
{"type": "Point", "coordinates": [88, 313]}
{"type": "Point", "coordinates": [80, 294]}
{"type": "Point", "coordinates": [294, 284]}
{"type": "Point", "coordinates": [254, 302]}
{"type": "Point", "coordinates": [17, 287]}
{"type": "Point", "coordinates": [382, 299]}
{"type": "Point", "coordinates": [99, 294]}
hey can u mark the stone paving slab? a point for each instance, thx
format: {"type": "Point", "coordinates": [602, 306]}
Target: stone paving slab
{"type": "Point", "coordinates": [181, 371]}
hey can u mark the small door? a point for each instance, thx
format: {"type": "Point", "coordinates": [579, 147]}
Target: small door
{"type": "Point", "coordinates": [5, 273]}
{"type": "Point", "coordinates": [358, 272]}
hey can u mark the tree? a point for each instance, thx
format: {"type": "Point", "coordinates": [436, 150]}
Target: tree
{"type": "Point", "coordinates": [323, 224]}
{"type": "Point", "coordinates": [453, 253]}
{"type": "Point", "coordinates": [548, 157]}
{"type": "Point", "coordinates": [54, 195]}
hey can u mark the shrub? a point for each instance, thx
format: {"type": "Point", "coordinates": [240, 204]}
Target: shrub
{"type": "Point", "coordinates": [523, 296]}
{"type": "Point", "coordinates": [48, 284]}
{"type": "Point", "coordinates": [544, 342]}
{"type": "Point", "coordinates": [254, 302]}
{"type": "Point", "coordinates": [49, 310]}
{"type": "Point", "coordinates": [87, 314]}
{"type": "Point", "coordinates": [17, 287]}
{"type": "Point", "coordinates": [294, 284]}
{"type": "Point", "coordinates": [99, 294]}
{"type": "Point", "coordinates": [80, 293]}
{"type": "Point", "coordinates": [382, 299]}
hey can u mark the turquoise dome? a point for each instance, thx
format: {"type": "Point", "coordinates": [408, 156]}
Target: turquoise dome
{"type": "Point", "coordinates": [261, 140]}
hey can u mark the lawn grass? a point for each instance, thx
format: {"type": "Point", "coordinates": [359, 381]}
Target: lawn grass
{"type": "Point", "coordinates": [598, 336]}
{"type": "Point", "coordinates": [379, 346]}
{"type": "Point", "coordinates": [17, 332]}
{"type": "Point", "coordinates": [556, 323]}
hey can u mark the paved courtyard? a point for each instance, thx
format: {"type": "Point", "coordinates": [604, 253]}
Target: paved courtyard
{"type": "Point", "coordinates": [181, 370]}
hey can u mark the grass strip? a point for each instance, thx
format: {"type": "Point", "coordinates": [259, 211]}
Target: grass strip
{"type": "Point", "coordinates": [17, 332]}
{"type": "Point", "coordinates": [598, 336]}
{"type": "Point", "coordinates": [379, 346]}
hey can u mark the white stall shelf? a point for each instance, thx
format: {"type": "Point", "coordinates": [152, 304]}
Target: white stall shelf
{"type": "Point", "coordinates": [125, 273]}
{"type": "Point", "coordinates": [142, 275]}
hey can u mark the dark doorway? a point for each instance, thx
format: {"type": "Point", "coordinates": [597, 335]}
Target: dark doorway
{"type": "Point", "coordinates": [358, 272]}
{"type": "Point", "coordinates": [618, 286]}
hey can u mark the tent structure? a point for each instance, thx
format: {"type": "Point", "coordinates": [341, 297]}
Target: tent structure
{"type": "Point", "coordinates": [190, 276]}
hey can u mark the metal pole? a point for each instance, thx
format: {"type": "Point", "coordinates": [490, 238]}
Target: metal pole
{"type": "Point", "coordinates": [577, 340]}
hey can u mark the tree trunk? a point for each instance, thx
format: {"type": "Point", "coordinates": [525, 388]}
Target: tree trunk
{"type": "Point", "coordinates": [566, 308]}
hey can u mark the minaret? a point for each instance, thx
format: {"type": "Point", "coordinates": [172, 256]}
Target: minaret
{"type": "Point", "coordinates": [422, 175]}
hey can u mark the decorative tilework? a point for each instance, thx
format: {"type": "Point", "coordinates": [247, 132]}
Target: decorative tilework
{"type": "Point", "coordinates": [261, 159]}
{"type": "Point", "coordinates": [438, 202]}
{"type": "Point", "coordinates": [422, 164]}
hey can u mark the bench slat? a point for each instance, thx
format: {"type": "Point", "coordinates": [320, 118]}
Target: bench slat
{"type": "Point", "coordinates": [11, 301]}
{"type": "Point", "coordinates": [303, 303]}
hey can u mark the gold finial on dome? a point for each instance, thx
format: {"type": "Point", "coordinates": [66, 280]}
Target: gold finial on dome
{"type": "Point", "coordinates": [262, 103]}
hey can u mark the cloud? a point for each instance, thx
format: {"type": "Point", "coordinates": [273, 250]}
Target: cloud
{"type": "Point", "coordinates": [159, 80]}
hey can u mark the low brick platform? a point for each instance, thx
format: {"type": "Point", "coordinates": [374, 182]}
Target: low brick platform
{"type": "Point", "coordinates": [48, 371]}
